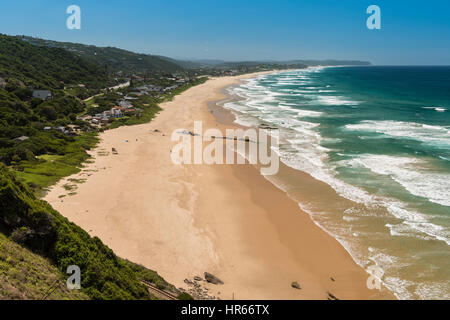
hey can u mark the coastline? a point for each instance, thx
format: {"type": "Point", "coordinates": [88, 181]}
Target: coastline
{"type": "Point", "coordinates": [186, 220]}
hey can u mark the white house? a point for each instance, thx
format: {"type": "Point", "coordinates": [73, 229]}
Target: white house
{"type": "Point", "coordinates": [22, 138]}
{"type": "Point", "coordinates": [116, 112]}
{"type": "Point", "coordinates": [42, 94]}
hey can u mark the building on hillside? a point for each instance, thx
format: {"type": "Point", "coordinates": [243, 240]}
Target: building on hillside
{"type": "Point", "coordinates": [104, 121]}
{"type": "Point", "coordinates": [130, 111]}
{"type": "Point", "coordinates": [138, 78]}
{"type": "Point", "coordinates": [22, 138]}
{"type": "Point", "coordinates": [117, 112]}
{"type": "Point", "coordinates": [155, 88]}
{"type": "Point", "coordinates": [125, 104]}
{"type": "Point", "coordinates": [63, 130]}
{"type": "Point", "coordinates": [171, 88]}
{"type": "Point", "coordinates": [42, 94]}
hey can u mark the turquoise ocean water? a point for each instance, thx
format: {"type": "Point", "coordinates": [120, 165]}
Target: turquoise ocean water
{"type": "Point", "coordinates": [380, 137]}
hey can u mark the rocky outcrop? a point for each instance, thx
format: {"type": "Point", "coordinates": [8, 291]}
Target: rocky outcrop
{"type": "Point", "coordinates": [212, 279]}
{"type": "Point", "coordinates": [295, 285]}
{"type": "Point", "coordinates": [197, 291]}
{"type": "Point", "coordinates": [331, 296]}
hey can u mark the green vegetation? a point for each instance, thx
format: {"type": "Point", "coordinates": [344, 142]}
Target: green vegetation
{"type": "Point", "coordinates": [47, 127]}
{"type": "Point", "coordinates": [102, 103]}
{"type": "Point", "coordinates": [184, 296]}
{"type": "Point", "coordinates": [148, 105]}
{"type": "Point", "coordinates": [113, 59]}
{"type": "Point", "coordinates": [184, 87]}
{"type": "Point", "coordinates": [46, 170]}
{"type": "Point", "coordinates": [55, 139]}
{"type": "Point", "coordinates": [26, 275]}
{"type": "Point", "coordinates": [44, 67]}
{"type": "Point", "coordinates": [33, 224]}
{"type": "Point", "coordinates": [147, 113]}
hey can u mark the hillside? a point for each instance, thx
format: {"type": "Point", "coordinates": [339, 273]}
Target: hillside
{"type": "Point", "coordinates": [34, 225]}
{"type": "Point", "coordinates": [25, 275]}
{"type": "Point", "coordinates": [24, 67]}
{"type": "Point", "coordinates": [23, 115]}
{"type": "Point", "coordinates": [114, 59]}
{"type": "Point", "coordinates": [46, 68]}
{"type": "Point", "coordinates": [219, 64]}
{"type": "Point", "coordinates": [117, 60]}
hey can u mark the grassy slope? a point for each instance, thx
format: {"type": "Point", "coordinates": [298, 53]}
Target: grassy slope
{"type": "Point", "coordinates": [51, 168]}
{"type": "Point", "coordinates": [25, 275]}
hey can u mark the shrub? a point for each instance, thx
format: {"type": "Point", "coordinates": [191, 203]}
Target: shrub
{"type": "Point", "coordinates": [185, 296]}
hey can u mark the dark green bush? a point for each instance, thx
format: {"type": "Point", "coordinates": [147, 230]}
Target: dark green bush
{"type": "Point", "coordinates": [184, 296]}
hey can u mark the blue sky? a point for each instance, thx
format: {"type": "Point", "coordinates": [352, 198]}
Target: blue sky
{"type": "Point", "coordinates": [413, 31]}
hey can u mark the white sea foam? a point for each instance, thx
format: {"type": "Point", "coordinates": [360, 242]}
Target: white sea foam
{"type": "Point", "coordinates": [438, 109]}
{"type": "Point", "coordinates": [300, 148]}
{"type": "Point", "coordinates": [436, 135]}
{"type": "Point", "coordinates": [412, 174]}
{"type": "Point", "coordinates": [416, 180]}
{"type": "Point", "coordinates": [302, 112]}
{"type": "Point", "coordinates": [416, 222]}
{"type": "Point", "coordinates": [336, 101]}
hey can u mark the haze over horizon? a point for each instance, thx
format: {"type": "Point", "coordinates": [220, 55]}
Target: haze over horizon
{"type": "Point", "coordinates": [412, 33]}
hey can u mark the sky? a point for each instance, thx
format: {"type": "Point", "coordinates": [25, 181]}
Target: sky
{"type": "Point", "coordinates": [413, 32]}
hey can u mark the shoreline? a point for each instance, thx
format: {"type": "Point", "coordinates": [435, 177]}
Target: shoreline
{"type": "Point", "coordinates": [185, 220]}
{"type": "Point", "coordinates": [228, 117]}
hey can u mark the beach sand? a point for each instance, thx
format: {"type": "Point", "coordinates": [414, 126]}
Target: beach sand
{"type": "Point", "coordinates": [184, 220]}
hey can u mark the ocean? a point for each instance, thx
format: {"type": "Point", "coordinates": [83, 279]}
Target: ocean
{"type": "Point", "coordinates": [380, 138]}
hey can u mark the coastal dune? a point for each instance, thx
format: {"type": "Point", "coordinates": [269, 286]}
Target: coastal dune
{"type": "Point", "coordinates": [184, 220]}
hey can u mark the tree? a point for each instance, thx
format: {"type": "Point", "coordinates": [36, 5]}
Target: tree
{"type": "Point", "coordinates": [48, 112]}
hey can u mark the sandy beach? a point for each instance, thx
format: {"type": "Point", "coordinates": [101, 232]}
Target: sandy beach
{"type": "Point", "coordinates": [184, 220]}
